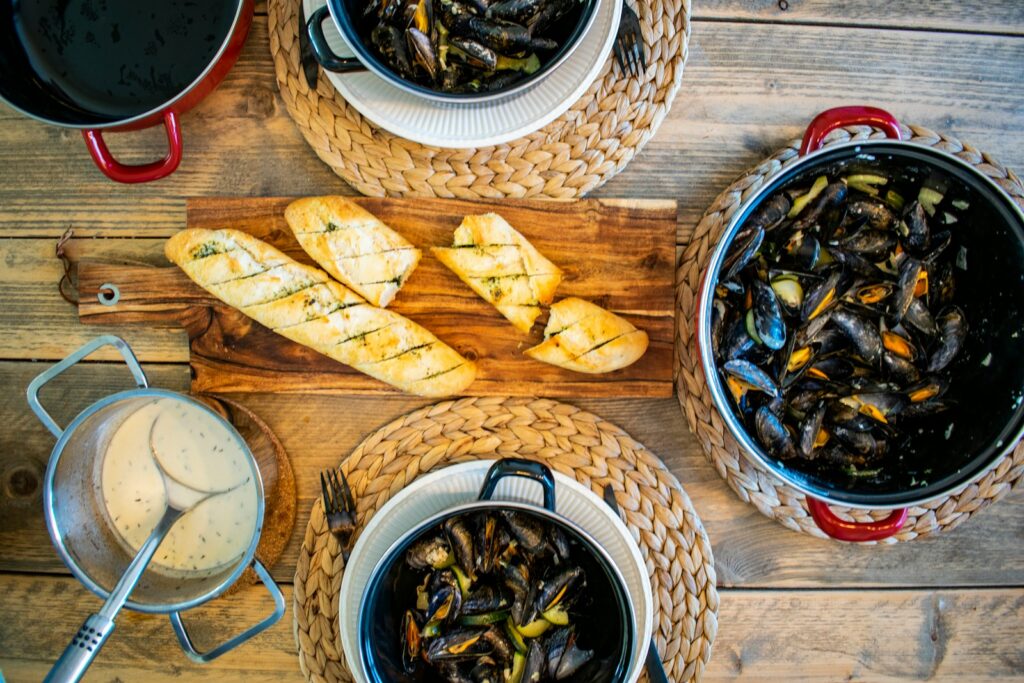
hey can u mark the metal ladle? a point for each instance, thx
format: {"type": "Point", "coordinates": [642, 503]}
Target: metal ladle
{"type": "Point", "coordinates": [96, 629]}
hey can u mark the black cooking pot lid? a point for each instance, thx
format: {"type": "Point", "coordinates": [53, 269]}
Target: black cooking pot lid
{"type": "Point", "coordinates": [79, 62]}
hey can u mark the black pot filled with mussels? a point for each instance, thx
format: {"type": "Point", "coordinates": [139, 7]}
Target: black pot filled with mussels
{"type": "Point", "coordinates": [497, 591]}
{"type": "Point", "coordinates": [860, 324]}
{"type": "Point", "coordinates": [454, 50]}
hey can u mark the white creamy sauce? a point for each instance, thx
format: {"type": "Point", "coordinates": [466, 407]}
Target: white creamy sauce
{"type": "Point", "coordinates": [197, 451]}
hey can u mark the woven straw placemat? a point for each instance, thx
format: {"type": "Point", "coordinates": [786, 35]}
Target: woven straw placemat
{"type": "Point", "coordinates": [576, 153]}
{"type": "Point", "coordinates": [752, 483]}
{"type": "Point", "coordinates": [576, 443]}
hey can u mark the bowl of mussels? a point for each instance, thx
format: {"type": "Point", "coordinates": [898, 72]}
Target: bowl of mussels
{"type": "Point", "coordinates": [454, 50]}
{"type": "Point", "coordinates": [860, 324]}
{"type": "Point", "coordinates": [497, 591]}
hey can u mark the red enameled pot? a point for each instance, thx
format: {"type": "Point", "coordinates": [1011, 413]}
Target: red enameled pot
{"type": "Point", "coordinates": [949, 449]}
{"type": "Point", "coordinates": [120, 65]}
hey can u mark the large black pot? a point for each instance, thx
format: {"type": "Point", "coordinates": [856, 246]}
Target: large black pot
{"type": "Point", "coordinates": [987, 378]}
{"type": "Point", "coordinates": [610, 630]}
{"type": "Point", "coordinates": [348, 16]}
{"type": "Point", "coordinates": [118, 65]}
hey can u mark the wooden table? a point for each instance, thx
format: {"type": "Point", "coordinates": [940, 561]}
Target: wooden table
{"type": "Point", "coordinates": [792, 607]}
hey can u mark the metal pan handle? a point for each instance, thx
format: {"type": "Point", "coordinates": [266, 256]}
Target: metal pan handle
{"type": "Point", "coordinates": [106, 340]}
{"type": "Point", "coordinates": [855, 532]}
{"type": "Point", "coordinates": [838, 117]}
{"type": "Point", "coordinates": [140, 173]}
{"type": "Point", "coordinates": [322, 51]}
{"type": "Point", "coordinates": [518, 467]}
{"type": "Point", "coordinates": [202, 657]}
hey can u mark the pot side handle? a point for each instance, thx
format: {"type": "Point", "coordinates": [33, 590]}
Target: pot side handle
{"type": "Point", "coordinates": [141, 173]}
{"type": "Point", "coordinates": [322, 51]}
{"type": "Point", "coordinates": [203, 657]}
{"type": "Point", "coordinates": [855, 532]}
{"type": "Point", "coordinates": [42, 379]}
{"type": "Point", "coordinates": [830, 119]}
{"type": "Point", "coordinates": [519, 467]}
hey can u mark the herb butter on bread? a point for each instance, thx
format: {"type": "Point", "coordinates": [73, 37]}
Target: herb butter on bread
{"type": "Point", "coordinates": [353, 245]}
{"type": "Point", "coordinates": [304, 304]}
{"type": "Point", "coordinates": [583, 337]}
{"type": "Point", "coordinates": [501, 266]}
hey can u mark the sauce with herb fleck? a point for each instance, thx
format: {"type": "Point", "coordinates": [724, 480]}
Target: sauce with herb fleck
{"type": "Point", "coordinates": [197, 451]}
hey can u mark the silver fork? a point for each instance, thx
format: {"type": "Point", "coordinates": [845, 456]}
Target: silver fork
{"type": "Point", "coordinates": [629, 43]}
{"type": "Point", "coordinates": [655, 669]}
{"type": "Point", "coordinates": [340, 507]}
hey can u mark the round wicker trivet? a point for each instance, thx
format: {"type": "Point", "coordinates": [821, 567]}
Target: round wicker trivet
{"type": "Point", "coordinates": [569, 157]}
{"type": "Point", "coordinates": [753, 484]}
{"type": "Point", "coordinates": [571, 441]}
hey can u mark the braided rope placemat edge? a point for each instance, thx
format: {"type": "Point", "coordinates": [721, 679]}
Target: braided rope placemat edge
{"type": "Point", "coordinates": [750, 482]}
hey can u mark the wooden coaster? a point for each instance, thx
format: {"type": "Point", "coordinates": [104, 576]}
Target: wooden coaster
{"type": "Point", "coordinates": [568, 440]}
{"type": "Point", "coordinates": [578, 152]}
{"type": "Point", "coordinates": [752, 483]}
{"type": "Point", "coordinates": [279, 493]}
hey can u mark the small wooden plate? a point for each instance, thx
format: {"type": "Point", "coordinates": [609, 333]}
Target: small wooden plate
{"type": "Point", "coordinates": [279, 494]}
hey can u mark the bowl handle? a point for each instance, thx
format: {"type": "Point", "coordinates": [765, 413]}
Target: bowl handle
{"type": "Point", "coordinates": [518, 467]}
{"type": "Point", "coordinates": [830, 119]}
{"type": "Point", "coordinates": [106, 340]}
{"type": "Point", "coordinates": [856, 532]}
{"type": "Point", "coordinates": [202, 657]}
{"type": "Point", "coordinates": [141, 173]}
{"type": "Point", "coordinates": [322, 51]}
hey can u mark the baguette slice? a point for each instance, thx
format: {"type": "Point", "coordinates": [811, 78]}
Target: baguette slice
{"type": "Point", "coordinates": [502, 267]}
{"type": "Point", "coordinates": [583, 337]}
{"type": "Point", "coordinates": [305, 305]}
{"type": "Point", "coordinates": [353, 245]}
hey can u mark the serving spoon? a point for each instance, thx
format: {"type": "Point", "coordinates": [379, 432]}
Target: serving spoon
{"type": "Point", "coordinates": [94, 632]}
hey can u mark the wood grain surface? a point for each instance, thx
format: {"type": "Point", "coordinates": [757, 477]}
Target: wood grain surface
{"type": "Point", "coordinates": [907, 635]}
{"type": "Point", "coordinates": [620, 254]}
{"type": "Point", "coordinates": [793, 608]}
{"type": "Point", "coordinates": [748, 88]}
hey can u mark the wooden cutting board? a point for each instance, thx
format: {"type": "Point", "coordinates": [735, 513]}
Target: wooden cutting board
{"type": "Point", "coordinates": [619, 254]}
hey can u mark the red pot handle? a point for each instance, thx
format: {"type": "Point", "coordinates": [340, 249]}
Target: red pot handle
{"type": "Point", "coordinates": [856, 532]}
{"type": "Point", "coordinates": [142, 173]}
{"type": "Point", "coordinates": [830, 119]}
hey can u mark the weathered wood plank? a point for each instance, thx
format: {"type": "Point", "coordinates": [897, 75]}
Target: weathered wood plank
{"type": "Point", "coordinates": [890, 636]}
{"type": "Point", "coordinates": [38, 323]}
{"type": "Point", "coordinates": [750, 551]}
{"type": "Point", "coordinates": [620, 255]}
{"type": "Point", "coordinates": [748, 88]}
{"type": "Point", "coordinates": [949, 15]}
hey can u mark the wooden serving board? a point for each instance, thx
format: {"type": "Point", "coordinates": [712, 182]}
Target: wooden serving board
{"type": "Point", "coordinates": [619, 254]}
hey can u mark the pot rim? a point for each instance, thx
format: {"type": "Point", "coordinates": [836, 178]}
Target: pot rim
{"type": "Point", "coordinates": [363, 54]}
{"type": "Point", "coordinates": [750, 449]}
{"type": "Point", "coordinates": [51, 517]}
{"type": "Point", "coordinates": [240, 11]}
{"type": "Point", "coordinates": [390, 557]}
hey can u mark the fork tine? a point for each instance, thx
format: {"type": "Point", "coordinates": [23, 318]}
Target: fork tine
{"type": "Point", "coordinates": [631, 54]}
{"type": "Point", "coordinates": [638, 53]}
{"type": "Point", "coordinates": [326, 494]}
{"type": "Point", "coordinates": [339, 499]}
{"type": "Point", "coordinates": [346, 492]}
{"type": "Point", "coordinates": [618, 55]}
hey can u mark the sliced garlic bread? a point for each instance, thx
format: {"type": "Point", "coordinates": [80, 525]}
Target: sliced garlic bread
{"type": "Point", "coordinates": [353, 245]}
{"type": "Point", "coordinates": [303, 304]}
{"type": "Point", "coordinates": [502, 267]}
{"type": "Point", "coordinates": [584, 337]}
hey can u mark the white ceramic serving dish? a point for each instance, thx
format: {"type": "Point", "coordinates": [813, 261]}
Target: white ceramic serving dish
{"type": "Point", "coordinates": [465, 125]}
{"type": "Point", "coordinates": [451, 486]}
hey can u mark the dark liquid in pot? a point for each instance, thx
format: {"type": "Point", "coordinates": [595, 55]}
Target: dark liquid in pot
{"type": "Point", "coordinates": [120, 58]}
